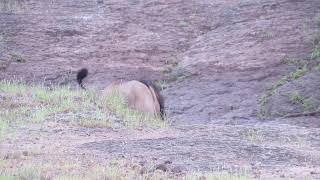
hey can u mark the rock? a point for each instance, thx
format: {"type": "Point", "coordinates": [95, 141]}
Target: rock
{"type": "Point", "coordinates": [297, 96]}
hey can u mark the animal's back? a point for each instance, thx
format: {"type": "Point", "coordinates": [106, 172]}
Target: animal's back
{"type": "Point", "coordinates": [137, 95]}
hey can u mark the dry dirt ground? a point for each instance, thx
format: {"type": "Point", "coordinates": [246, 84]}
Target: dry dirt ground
{"type": "Point", "coordinates": [217, 56]}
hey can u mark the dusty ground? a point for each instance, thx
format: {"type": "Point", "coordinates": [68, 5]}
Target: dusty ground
{"type": "Point", "coordinates": [223, 53]}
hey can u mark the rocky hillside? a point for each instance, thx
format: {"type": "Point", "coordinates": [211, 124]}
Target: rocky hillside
{"type": "Point", "coordinates": [241, 79]}
{"type": "Point", "coordinates": [224, 53]}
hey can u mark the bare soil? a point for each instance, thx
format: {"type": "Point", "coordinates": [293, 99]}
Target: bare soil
{"type": "Point", "coordinates": [222, 54]}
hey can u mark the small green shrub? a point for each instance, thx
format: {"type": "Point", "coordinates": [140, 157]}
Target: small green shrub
{"type": "Point", "coordinates": [315, 53]}
{"type": "Point", "coordinates": [318, 21]}
{"type": "Point", "coordinates": [3, 127]}
{"type": "Point", "coordinates": [308, 105]}
{"type": "Point", "coordinates": [252, 135]}
{"type": "Point", "coordinates": [281, 82]}
{"type": "Point", "coordinates": [183, 24]}
{"type": "Point", "coordinates": [16, 57]}
{"type": "Point", "coordinates": [13, 88]}
{"type": "Point", "coordinates": [173, 61]}
{"type": "Point", "coordinates": [162, 84]}
{"type": "Point", "coordinates": [318, 67]}
{"type": "Point", "coordinates": [293, 62]}
{"type": "Point", "coordinates": [299, 72]}
{"type": "Point", "coordinates": [296, 98]}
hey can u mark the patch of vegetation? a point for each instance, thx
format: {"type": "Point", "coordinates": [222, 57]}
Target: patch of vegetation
{"type": "Point", "coordinates": [316, 53]}
{"type": "Point", "coordinates": [173, 61]}
{"type": "Point", "coordinates": [252, 135]}
{"type": "Point", "coordinates": [266, 97]}
{"type": "Point", "coordinates": [292, 61]}
{"type": "Point", "coordinates": [281, 82]}
{"type": "Point", "coordinates": [318, 21]}
{"type": "Point", "coordinates": [3, 127]}
{"type": "Point", "coordinates": [267, 36]}
{"type": "Point", "coordinates": [162, 84]}
{"type": "Point", "coordinates": [308, 105]}
{"type": "Point", "coordinates": [17, 57]}
{"type": "Point", "coordinates": [117, 169]}
{"type": "Point", "coordinates": [299, 72]}
{"type": "Point", "coordinates": [224, 175]}
{"type": "Point", "coordinates": [167, 70]}
{"type": "Point", "coordinates": [31, 172]}
{"type": "Point", "coordinates": [297, 98]}
{"type": "Point", "coordinates": [183, 24]}
{"type": "Point", "coordinates": [22, 103]}
{"type": "Point", "coordinates": [181, 77]}
{"type": "Point", "coordinates": [263, 104]}
{"type": "Point", "coordinates": [303, 67]}
{"type": "Point", "coordinates": [318, 67]}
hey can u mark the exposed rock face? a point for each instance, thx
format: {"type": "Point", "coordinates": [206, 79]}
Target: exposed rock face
{"type": "Point", "coordinates": [253, 34]}
{"type": "Point", "coordinates": [235, 47]}
{"type": "Point", "coordinates": [299, 96]}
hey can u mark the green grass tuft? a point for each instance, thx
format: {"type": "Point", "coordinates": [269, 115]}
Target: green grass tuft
{"type": "Point", "coordinates": [307, 103]}
{"type": "Point", "coordinates": [296, 98]}
{"type": "Point", "coordinates": [318, 67]}
{"type": "Point", "coordinates": [3, 128]}
{"type": "Point", "coordinates": [315, 53]}
{"type": "Point", "coordinates": [17, 57]}
{"type": "Point", "coordinates": [162, 84]}
{"type": "Point", "coordinates": [318, 21]}
{"type": "Point", "coordinates": [299, 72]}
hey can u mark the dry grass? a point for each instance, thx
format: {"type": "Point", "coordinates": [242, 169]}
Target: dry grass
{"type": "Point", "coordinates": [253, 136]}
{"type": "Point", "coordinates": [114, 169]}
